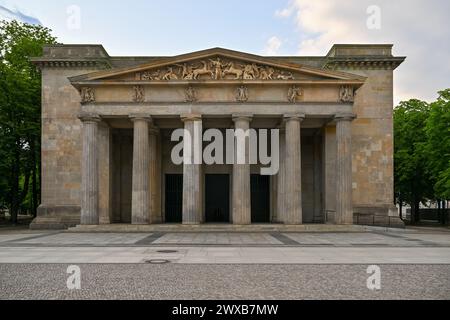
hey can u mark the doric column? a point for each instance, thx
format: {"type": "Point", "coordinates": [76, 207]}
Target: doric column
{"type": "Point", "coordinates": [293, 170]}
{"type": "Point", "coordinates": [140, 198]}
{"type": "Point", "coordinates": [344, 202]}
{"type": "Point", "coordinates": [89, 169]}
{"type": "Point", "coordinates": [155, 175]}
{"type": "Point", "coordinates": [192, 169]}
{"type": "Point", "coordinates": [281, 182]}
{"type": "Point", "coordinates": [241, 193]}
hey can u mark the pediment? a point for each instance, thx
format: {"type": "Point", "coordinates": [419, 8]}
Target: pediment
{"type": "Point", "coordinates": [217, 65]}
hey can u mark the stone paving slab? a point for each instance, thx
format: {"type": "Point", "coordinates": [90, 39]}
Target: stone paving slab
{"type": "Point", "coordinates": [91, 239]}
{"type": "Point", "coordinates": [218, 238]}
{"type": "Point", "coordinates": [20, 236]}
{"type": "Point", "coordinates": [350, 239]}
{"type": "Point", "coordinates": [440, 238]}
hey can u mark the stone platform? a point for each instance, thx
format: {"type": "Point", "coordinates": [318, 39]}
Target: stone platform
{"type": "Point", "coordinates": [228, 228]}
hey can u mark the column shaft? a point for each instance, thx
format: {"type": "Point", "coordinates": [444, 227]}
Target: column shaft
{"type": "Point", "coordinates": [293, 174]}
{"type": "Point", "coordinates": [192, 170]}
{"type": "Point", "coordinates": [241, 193]}
{"type": "Point", "coordinates": [155, 176]}
{"type": "Point", "coordinates": [281, 180]}
{"type": "Point", "coordinates": [89, 170]}
{"type": "Point", "coordinates": [344, 201]}
{"type": "Point", "coordinates": [140, 199]}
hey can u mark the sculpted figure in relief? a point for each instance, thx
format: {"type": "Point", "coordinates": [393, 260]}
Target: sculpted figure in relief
{"type": "Point", "coordinates": [191, 94]}
{"type": "Point", "coordinates": [148, 75]}
{"type": "Point", "coordinates": [250, 72]}
{"type": "Point", "coordinates": [266, 73]}
{"type": "Point", "coordinates": [87, 95]}
{"type": "Point", "coordinates": [202, 71]}
{"type": "Point", "coordinates": [283, 76]}
{"type": "Point", "coordinates": [231, 69]}
{"type": "Point", "coordinates": [294, 93]}
{"type": "Point", "coordinates": [242, 94]}
{"type": "Point", "coordinates": [218, 66]}
{"type": "Point", "coordinates": [186, 72]}
{"type": "Point", "coordinates": [346, 94]}
{"type": "Point", "coordinates": [170, 75]}
{"type": "Point", "coordinates": [138, 94]}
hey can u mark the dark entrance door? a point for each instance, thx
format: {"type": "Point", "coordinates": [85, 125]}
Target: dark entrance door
{"type": "Point", "coordinates": [260, 198]}
{"type": "Point", "coordinates": [174, 197]}
{"type": "Point", "coordinates": [217, 198]}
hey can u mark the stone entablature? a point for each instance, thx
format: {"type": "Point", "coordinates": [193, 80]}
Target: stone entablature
{"type": "Point", "coordinates": [219, 75]}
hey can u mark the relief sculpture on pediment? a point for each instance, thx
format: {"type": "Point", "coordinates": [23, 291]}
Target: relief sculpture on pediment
{"type": "Point", "coordinates": [216, 69]}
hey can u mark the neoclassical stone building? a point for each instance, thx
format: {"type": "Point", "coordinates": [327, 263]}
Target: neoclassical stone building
{"type": "Point", "coordinates": [107, 124]}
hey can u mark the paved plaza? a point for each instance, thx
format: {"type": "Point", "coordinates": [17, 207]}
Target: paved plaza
{"type": "Point", "coordinates": [227, 248]}
{"type": "Point", "coordinates": [225, 265]}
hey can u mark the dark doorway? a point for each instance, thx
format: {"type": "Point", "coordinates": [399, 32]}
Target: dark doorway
{"type": "Point", "coordinates": [122, 153]}
{"type": "Point", "coordinates": [217, 198]}
{"type": "Point", "coordinates": [260, 198]}
{"type": "Point", "coordinates": [174, 198]}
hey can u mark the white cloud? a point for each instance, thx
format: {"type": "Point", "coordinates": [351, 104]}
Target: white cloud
{"type": "Point", "coordinates": [16, 14]}
{"type": "Point", "coordinates": [284, 13]}
{"type": "Point", "coordinates": [418, 29]}
{"type": "Point", "coordinates": [273, 46]}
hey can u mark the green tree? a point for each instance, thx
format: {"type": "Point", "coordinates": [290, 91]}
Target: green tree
{"type": "Point", "coordinates": [412, 183]}
{"type": "Point", "coordinates": [20, 113]}
{"type": "Point", "coordinates": [438, 146]}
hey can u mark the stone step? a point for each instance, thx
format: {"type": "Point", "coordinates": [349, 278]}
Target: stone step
{"type": "Point", "coordinates": [219, 228]}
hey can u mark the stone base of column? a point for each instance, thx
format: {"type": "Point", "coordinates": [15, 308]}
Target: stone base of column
{"type": "Point", "coordinates": [56, 217]}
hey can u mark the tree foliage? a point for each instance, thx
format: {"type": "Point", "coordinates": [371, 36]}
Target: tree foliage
{"type": "Point", "coordinates": [422, 151]}
{"type": "Point", "coordinates": [20, 113]}
{"type": "Point", "coordinates": [438, 145]}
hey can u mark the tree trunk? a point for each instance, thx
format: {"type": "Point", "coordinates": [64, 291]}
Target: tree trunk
{"type": "Point", "coordinates": [416, 211]}
{"type": "Point", "coordinates": [401, 208]}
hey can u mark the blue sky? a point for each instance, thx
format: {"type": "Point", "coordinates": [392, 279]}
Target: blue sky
{"type": "Point", "coordinates": [163, 27]}
{"type": "Point", "coordinates": [418, 29]}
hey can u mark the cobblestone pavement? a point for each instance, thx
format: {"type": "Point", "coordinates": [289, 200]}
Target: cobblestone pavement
{"type": "Point", "coordinates": [190, 281]}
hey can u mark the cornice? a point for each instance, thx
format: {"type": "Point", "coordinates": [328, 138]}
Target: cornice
{"type": "Point", "coordinates": [371, 63]}
{"type": "Point", "coordinates": [71, 63]}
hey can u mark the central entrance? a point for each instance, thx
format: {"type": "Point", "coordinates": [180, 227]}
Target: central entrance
{"type": "Point", "coordinates": [260, 198]}
{"type": "Point", "coordinates": [217, 198]}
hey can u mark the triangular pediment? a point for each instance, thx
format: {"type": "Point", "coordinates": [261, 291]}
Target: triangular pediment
{"type": "Point", "coordinates": [217, 64]}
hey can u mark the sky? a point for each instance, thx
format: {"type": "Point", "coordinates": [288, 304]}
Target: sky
{"type": "Point", "coordinates": [419, 29]}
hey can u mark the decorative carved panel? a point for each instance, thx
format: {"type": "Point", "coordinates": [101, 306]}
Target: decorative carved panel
{"type": "Point", "coordinates": [87, 95]}
{"type": "Point", "coordinates": [347, 94]}
{"type": "Point", "coordinates": [216, 69]}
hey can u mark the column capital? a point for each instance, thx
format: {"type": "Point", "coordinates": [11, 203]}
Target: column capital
{"type": "Point", "coordinates": [344, 117]}
{"type": "Point", "coordinates": [294, 116]}
{"type": "Point", "coordinates": [191, 117]}
{"type": "Point", "coordinates": [140, 116]}
{"type": "Point", "coordinates": [89, 117]}
{"type": "Point", "coordinates": [242, 116]}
